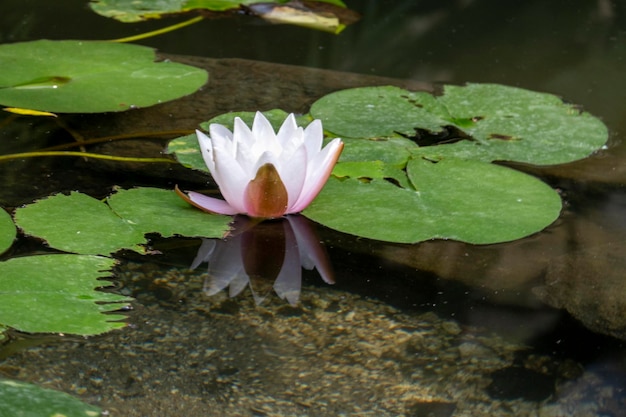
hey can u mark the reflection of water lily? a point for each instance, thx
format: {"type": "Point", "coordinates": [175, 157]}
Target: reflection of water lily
{"type": "Point", "coordinates": [264, 253]}
{"type": "Point", "coordinates": [265, 174]}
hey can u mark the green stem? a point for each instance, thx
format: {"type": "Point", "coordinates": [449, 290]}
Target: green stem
{"type": "Point", "coordinates": [159, 31]}
{"type": "Point", "coordinates": [84, 155]}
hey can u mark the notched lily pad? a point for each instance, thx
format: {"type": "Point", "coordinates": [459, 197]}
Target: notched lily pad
{"type": "Point", "coordinates": [81, 224]}
{"type": "Point", "coordinates": [78, 223]}
{"type": "Point", "coordinates": [154, 210]}
{"type": "Point", "coordinates": [90, 76]}
{"type": "Point", "coordinates": [374, 112]}
{"type": "Point", "coordinates": [27, 400]}
{"type": "Point", "coordinates": [495, 122]}
{"type": "Point", "coordinates": [57, 294]}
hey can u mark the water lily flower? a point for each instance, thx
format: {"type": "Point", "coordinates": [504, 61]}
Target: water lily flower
{"type": "Point", "coordinates": [262, 256]}
{"type": "Point", "coordinates": [262, 173]}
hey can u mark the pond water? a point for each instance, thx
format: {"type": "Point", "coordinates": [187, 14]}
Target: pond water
{"type": "Point", "coordinates": [534, 327]}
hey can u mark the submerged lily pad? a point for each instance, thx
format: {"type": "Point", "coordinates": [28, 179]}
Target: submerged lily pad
{"type": "Point", "coordinates": [81, 224]}
{"type": "Point", "coordinates": [7, 231]}
{"type": "Point", "coordinates": [57, 294]}
{"type": "Point", "coordinates": [468, 201]}
{"type": "Point", "coordinates": [19, 399]}
{"type": "Point", "coordinates": [90, 76]}
{"type": "Point", "coordinates": [495, 122]}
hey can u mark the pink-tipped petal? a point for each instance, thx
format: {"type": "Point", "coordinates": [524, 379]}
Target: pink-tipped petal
{"type": "Point", "coordinates": [213, 205]}
{"type": "Point", "coordinates": [318, 171]}
{"type": "Point", "coordinates": [314, 136]}
{"type": "Point", "coordinates": [293, 174]}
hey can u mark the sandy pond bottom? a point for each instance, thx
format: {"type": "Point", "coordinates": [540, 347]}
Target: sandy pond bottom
{"type": "Point", "coordinates": [333, 354]}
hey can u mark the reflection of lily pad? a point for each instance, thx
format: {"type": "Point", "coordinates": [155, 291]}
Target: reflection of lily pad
{"type": "Point", "coordinates": [21, 399]}
{"type": "Point", "coordinates": [56, 294]}
{"type": "Point", "coordinates": [90, 77]}
{"type": "Point", "coordinates": [81, 224]}
{"type": "Point", "coordinates": [504, 123]}
{"type": "Point", "coordinates": [468, 201]}
{"type": "Point", "coordinates": [7, 231]}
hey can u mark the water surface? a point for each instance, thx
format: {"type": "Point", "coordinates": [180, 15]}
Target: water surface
{"type": "Point", "coordinates": [534, 327]}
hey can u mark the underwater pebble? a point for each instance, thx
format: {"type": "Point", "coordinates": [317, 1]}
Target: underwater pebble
{"type": "Point", "coordinates": [334, 354]}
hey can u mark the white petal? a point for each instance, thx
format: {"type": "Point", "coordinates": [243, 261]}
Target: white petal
{"type": "Point", "coordinates": [231, 179]}
{"type": "Point", "coordinates": [287, 131]}
{"type": "Point", "coordinates": [247, 159]}
{"type": "Point", "coordinates": [264, 134]}
{"type": "Point", "coordinates": [293, 173]}
{"type": "Point", "coordinates": [221, 137]}
{"type": "Point", "coordinates": [216, 129]}
{"type": "Point", "coordinates": [242, 135]}
{"type": "Point", "coordinates": [318, 171]}
{"type": "Point", "coordinates": [313, 137]}
{"type": "Point", "coordinates": [206, 147]}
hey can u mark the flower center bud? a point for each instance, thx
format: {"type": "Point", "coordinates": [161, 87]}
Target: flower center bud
{"type": "Point", "coordinates": [266, 195]}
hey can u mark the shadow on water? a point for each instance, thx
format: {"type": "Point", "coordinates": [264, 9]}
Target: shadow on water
{"type": "Point", "coordinates": [439, 328]}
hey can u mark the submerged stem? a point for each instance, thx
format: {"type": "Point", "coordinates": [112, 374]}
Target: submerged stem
{"type": "Point", "coordinates": [84, 155]}
{"type": "Point", "coordinates": [159, 31]}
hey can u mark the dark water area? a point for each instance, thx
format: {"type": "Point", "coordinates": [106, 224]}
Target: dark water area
{"type": "Point", "coordinates": [535, 327]}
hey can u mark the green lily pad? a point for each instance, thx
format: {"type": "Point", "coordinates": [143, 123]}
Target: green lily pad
{"type": "Point", "coordinates": [81, 224]}
{"type": "Point", "coordinates": [90, 76]}
{"type": "Point", "coordinates": [19, 399]}
{"type": "Point", "coordinates": [375, 112]}
{"type": "Point", "coordinates": [187, 152]}
{"type": "Point", "coordinates": [497, 122]}
{"type": "Point", "coordinates": [56, 294]}
{"type": "Point", "coordinates": [7, 231]}
{"type": "Point", "coordinates": [155, 210]}
{"type": "Point", "coordinates": [78, 223]}
{"type": "Point", "coordinates": [393, 138]}
{"type": "Point", "coordinates": [462, 200]}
